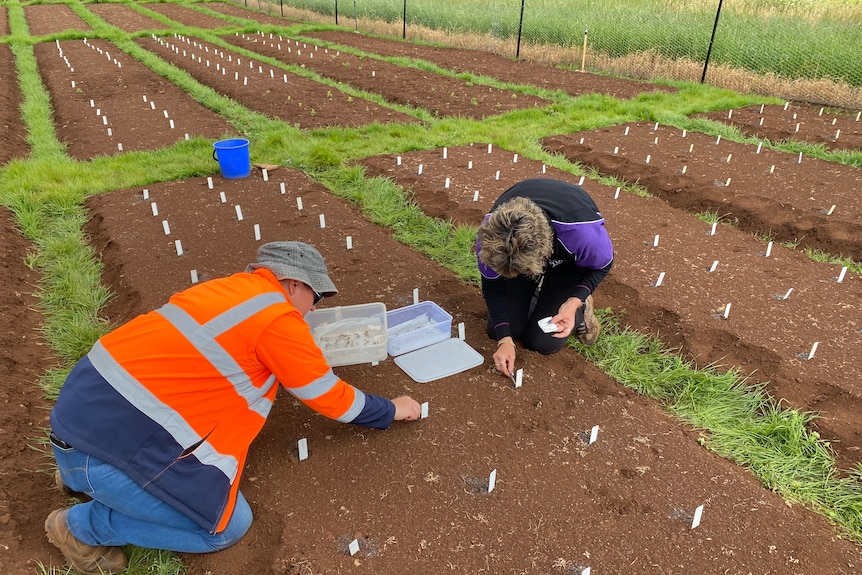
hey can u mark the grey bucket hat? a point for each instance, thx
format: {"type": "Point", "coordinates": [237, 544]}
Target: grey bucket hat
{"type": "Point", "coordinates": [296, 261]}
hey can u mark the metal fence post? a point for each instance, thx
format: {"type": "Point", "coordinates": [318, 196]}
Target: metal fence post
{"type": "Point", "coordinates": [404, 19]}
{"type": "Point", "coordinates": [520, 26]}
{"type": "Point", "coordinates": [711, 40]}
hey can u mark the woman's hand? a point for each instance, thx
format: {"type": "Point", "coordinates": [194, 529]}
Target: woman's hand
{"type": "Point", "coordinates": [565, 318]}
{"type": "Point", "coordinates": [504, 357]}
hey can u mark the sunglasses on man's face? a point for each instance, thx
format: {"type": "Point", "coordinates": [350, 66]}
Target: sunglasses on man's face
{"type": "Point", "coordinates": [317, 296]}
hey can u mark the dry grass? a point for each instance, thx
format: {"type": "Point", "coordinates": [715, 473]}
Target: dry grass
{"type": "Point", "coordinates": [643, 66]}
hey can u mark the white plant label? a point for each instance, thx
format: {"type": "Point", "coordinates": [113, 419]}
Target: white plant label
{"type": "Point", "coordinates": [655, 241]}
{"type": "Point", "coordinates": [476, 196]}
{"type": "Point", "coordinates": [166, 227]}
{"type": "Point", "coordinates": [519, 377]}
{"type": "Point", "coordinates": [238, 213]}
{"type": "Point", "coordinates": [179, 245]}
{"type": "Point", "coordinates": [257, 232]}
{"type": "Point", "coordinates": [322, 221]}
{"type": "Point", "coordinates": [353, 547]}
{"type": "Point", "coordinates": [594, 434]}
{"type": "Point", "coordinates": [146, 194]}
{"type": "Point", "coordinates": [299, 203]}
{"type": "Point", "coordinates": [282, 188]}
{"type": "Point", "coordinates": [350, 242]}
{"type": "Point", "coordinates": [423, 410]}
{"type": "Point", "coordinates": [659, 280]}
{"type": "Point", "coordinates": [415, 295]}
{"type": "Point", "coordinates": [492, 481]}
{"type": "Point", "coordinates": [155, 209]}
{"type": "Point", "coordinates": [841, 274]}
{"type": "Point", "coordinates": [768, 249]}
{"type": "Point", "coordinates": [302, 445]}
{"type": "Point", "coordinates": [813, 349]}
{"type": "Point", "coordinates": [222, 197]}
{"type": "Point", "coordinates": [697, 515]}
{"type": "Point", "coordinates": [265, 173]}
{"type": "Point", "coordinates": [461, 331]}
{"type": "Point", "coordinates": [194, 276]}
{"type": "Point", "coordinates": [714, 266]}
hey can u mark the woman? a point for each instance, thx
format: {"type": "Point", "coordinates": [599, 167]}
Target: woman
{"type": "Point", "coordinates": [542, 251]}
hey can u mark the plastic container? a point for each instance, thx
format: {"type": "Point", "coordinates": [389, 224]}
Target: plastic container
{"type": "Point", "coordinates": [416, 326]}
{"type": "Point", "coordinates": [233, 157]}
{"type": "Point", "coordinates": [442, 359]}
{"type": "Point", "coordinates": [350, 334]}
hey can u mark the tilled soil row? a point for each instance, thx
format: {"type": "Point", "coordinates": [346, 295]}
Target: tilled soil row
{"type": "Point", "coordinates": [106, 102]}
{"type": "Point", "coordinates": [785, 196]}
{"type": "Point", "coordinates": [442, 95]}
{"type": "Point", "coordinates": [796, 122]}
{"type": "Point", "coordinates": [270, 90]}
{"type": "Point", "coordinates": [572, 82]}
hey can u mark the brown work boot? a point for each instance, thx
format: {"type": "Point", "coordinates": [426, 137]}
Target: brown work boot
{"type": "Point", "coordinates": [589, 330]}
{"type": "Point", "coordinates": [85, 559]}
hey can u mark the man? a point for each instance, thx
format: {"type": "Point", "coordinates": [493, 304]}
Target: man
{"type": "Point", "coordinates": [154, 424]}
{"type": "Point", "coordinates": [542, 251]}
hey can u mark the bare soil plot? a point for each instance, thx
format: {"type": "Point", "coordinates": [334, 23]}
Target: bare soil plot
{"type": "Point", "coordinates": [495, 66]}
{"type": "Point", "coordinates": [417, 494]}
{"type": "Point", "coordinates": [270, 91]}
{"type": "Point", "coordinates": [835, 129]}
{"type": "Point", "coordinates": [106, 102]}
{"type": "Point", "coordinates": [44, 19]}
{"type": "Point", "coordinates": [125, 17]}
{"type": "Point", "coordinates": [188, 16]}
{"type": "Point", "coordinates": [12, 131]}
{"type": "Point", "coordinates": [783, 195]}
{"type": "Point", "coordinates": [26, 496]}
{"type": "Point", "coordinates": [764, 333]}
{"type": "Point", "coordinates": [252, 15]}
{"type": "Point", "coordinates": [442, 95]}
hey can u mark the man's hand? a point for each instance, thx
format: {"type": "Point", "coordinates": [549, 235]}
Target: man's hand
{"type": "Point", "coordinates": [406, 408]}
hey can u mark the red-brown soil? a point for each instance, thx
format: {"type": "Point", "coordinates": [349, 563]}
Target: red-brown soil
{"type": "Point", "coordinates": [415, 496]}
{"type": "Point", "coordinates": [442, 95]}
{"type": "Point", "coordinates": [11, 125]}
{"type": "Point", "coordinates": [833, 129]}
{"type": "Point", "coordinates": [125, 17]}
{"type": "Point", "coordinates": [786, 196]}
{"type": "Point", "coordinates": [104, 99]}
{"type": "Point", "coordinates": [299, 101]}
{"type": "Point", "coordinates": [44, 19]}
{"type": "Point", "coordinates": [517, 72]}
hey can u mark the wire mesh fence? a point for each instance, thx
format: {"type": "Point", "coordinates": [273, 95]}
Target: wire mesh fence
{"type": "Point", "coordinates": [800, 50]}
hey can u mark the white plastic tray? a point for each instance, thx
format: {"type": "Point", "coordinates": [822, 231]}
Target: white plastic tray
{"type": "Point", "coordinates": [439, 360]}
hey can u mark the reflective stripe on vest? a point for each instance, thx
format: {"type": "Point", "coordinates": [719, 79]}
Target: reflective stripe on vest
{"type": "Point", "coordinates": [202, 337]}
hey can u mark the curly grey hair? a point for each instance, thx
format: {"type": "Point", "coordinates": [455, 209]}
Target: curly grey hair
{"type": "Point", "coordinates": [517, 239]}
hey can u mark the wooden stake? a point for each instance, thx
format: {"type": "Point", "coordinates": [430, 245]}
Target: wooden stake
{"type": "Point", "coordinates": [584, 51]}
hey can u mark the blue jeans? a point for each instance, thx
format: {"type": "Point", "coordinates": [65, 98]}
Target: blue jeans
{"type": "Point", "coordinates": [123, 513]}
